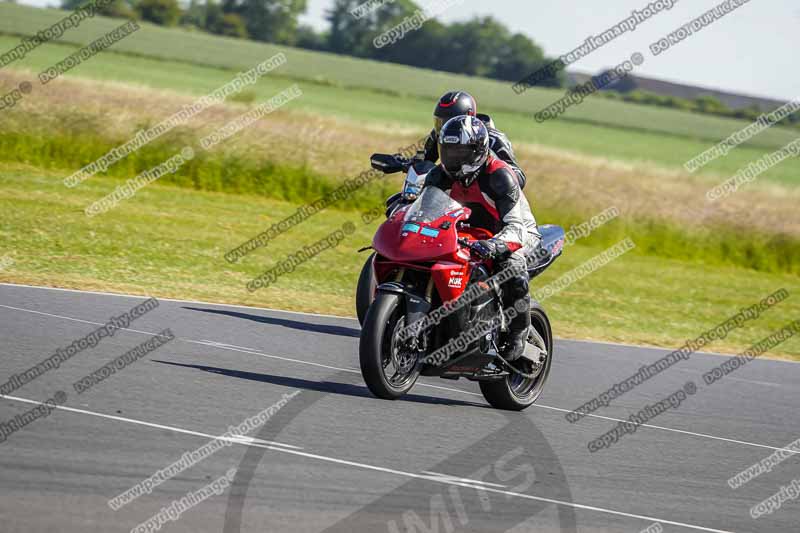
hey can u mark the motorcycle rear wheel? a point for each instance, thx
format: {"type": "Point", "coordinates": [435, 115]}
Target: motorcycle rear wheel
{"type": "Point", "coordinates": [515, 393]}
{"type": "Point", "coordinates": [379, 348]}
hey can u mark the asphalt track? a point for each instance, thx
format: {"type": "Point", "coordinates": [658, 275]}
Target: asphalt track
{"type": "Point", "coordinates": [335, 459]}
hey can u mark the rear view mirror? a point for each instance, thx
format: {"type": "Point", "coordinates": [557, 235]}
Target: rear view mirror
{"type": "Point", "coordinates": [388, 164]}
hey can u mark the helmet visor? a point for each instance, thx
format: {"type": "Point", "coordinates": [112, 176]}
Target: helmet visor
{"type": "Point", "coordinates": [456, 156]}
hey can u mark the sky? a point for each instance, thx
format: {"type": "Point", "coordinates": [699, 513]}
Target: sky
{"type": "Point", "coordinates": [750, 51]}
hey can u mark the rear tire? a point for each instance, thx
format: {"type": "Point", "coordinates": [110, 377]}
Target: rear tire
{"type": "Point", "coordinates": [365, 289]}
{"type": "Point", "coordinates": [515, 393]}
{"type": "Point", "coordinates": [376, 347]}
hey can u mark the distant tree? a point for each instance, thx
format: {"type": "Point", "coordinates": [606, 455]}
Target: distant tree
{"type": "Point", "coordinates": [308, 38]}
{"type": "Point", "coordinates": [474, 46]}
{"type": "Point", "coordinates": [232, 25]}
{"type": "Point", "coordinates": [213, 16]}
{"type": "Point", "coordinates": [679, 103]}
{"type": "Point", "coordinates": [215, 20]}
{"type": "Point", "coordinates": [356, 36]}
{"type": "Point", "coordinates": [517, 57]}
{"type": "Point", "coordinates": [709, 104]}
{"type": "Point", "coordinates": [161, 12]}
{"type": "Point", "coordinates": [348, 34]}
{"type": "Point", "coordinates": [194, 15]}
{"type": "Point", "coordinates": [479, 47]}
{"type": "Point", "coordinates": [272, 21]}
{"type": "Point", "coordinates": [423, 48]}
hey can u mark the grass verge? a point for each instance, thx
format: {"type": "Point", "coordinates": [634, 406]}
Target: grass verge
{"type": "Point", "coordinates": [169, 242]}
{"type": "Point", "coordinates": [598, 127]}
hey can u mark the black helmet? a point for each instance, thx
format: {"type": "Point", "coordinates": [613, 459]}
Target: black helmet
{"type": "Point", "coordinates": [453, 104]}
{"type": "Point", "coordinates": [464, 148]}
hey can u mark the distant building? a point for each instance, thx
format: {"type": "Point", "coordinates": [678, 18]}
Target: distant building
{"type": "Point", "coordinates": [679, 90]}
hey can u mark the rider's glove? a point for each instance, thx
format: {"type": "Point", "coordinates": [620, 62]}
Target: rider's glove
{"type": "Point", "coordinates": [491, 249]}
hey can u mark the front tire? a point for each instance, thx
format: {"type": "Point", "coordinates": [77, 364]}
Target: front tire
{"type": "Point", "coordinates": [515, 393]}
{"type": "Point", "coordinates": [379, 349]}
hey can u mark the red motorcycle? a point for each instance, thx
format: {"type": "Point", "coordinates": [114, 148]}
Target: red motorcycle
{"type": "Point", "coordinates": [433, 307]}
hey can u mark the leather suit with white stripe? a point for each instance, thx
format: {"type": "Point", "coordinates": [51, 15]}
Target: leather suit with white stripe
{"type": "Point", "coordinates": [498, 205]}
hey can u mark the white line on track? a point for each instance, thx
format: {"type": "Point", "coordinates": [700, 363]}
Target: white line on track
{"type": "Point", "coordinates": [436, 475]}
{"type": "Point", "coordinates": [244, 440]}
{"type": "Point", "coordinates": [541, 406]}
{"type": "Point", "coordinates": [337, 317]}
{"type": "Point", "coordinates": [252, 351]}
{"type": "Point", "coordinates": [124, 295]}
{"type": "Point", "coordinates": [436, 478]}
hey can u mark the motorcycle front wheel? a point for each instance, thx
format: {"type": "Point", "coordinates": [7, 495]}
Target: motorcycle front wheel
{"type": "Point", "coordinates": [388, 368]}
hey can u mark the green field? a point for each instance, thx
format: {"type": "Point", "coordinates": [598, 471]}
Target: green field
{"type": "Point", "coordinates": [694, 264]}
{"type": "Point", "coordinates": [168, 241]}
{"type": "Point", "coordinates": [48, 135]}
{"type": "Point", "coordinates": [366, 90]}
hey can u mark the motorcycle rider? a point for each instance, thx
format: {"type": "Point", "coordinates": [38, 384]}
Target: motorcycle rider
{"type": "Point", "coordinates": [457, 103]}
{"type": "Point", "coordinates": [454, 104]}
{"type": "Point", "coordinates": [473, 176]}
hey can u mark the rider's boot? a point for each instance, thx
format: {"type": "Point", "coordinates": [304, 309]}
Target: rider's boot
{"type": "Point", "coordinates": [517, 335]}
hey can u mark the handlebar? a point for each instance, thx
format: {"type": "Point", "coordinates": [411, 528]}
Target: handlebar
{"type": "Point", "coordinates": [391, 163]}
{"type": "Point", "coordinates": [468, 244]}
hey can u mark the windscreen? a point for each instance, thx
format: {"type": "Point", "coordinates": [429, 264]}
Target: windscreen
{"type": "Point", "coordinates": [431, 204]}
